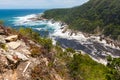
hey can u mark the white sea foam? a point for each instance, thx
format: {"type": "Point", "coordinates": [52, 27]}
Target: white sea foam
{"type": "Point", "coordinates": [79, 37]}
{"type": "Point", "coordinates": [39, 29]}
{"type": "Point", "coordinates": [29, 21]}
{"type": "Point", "coordinates": [23, 20]}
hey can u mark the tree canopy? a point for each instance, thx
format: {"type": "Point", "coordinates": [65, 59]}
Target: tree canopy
{"type": "Point", "coordinates": [91, 15]}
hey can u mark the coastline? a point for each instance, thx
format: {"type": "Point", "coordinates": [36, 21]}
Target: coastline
{"type": "Point", "coordinates": [96, 46]}
{"type": "Point", "coordinates": [64, 29]}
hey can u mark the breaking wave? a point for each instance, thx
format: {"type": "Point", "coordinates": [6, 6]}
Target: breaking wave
{"type": "Point", "coordinates": [40, 25]}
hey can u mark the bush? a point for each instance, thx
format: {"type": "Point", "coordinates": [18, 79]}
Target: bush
{"type": "Point", "coordinates": [35, 51]}
{"type": "Point", "coordinates": [3, 46]}
{"type": "Point", "coordinates": [82, 67]}
{"type": "Point", "coordinates": [114, 69]}
{"type": "Point", "coordinates": [70, 50]}
{"type": "Point", "coordinates": [45, 42]}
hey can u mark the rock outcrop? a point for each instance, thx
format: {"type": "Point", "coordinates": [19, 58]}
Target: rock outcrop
{"type": "Point", "coordinates": [16, 62]}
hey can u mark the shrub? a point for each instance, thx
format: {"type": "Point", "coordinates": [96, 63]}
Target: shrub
{"type": "Point", "coordinates": [82, 67]}
{"type": "Point", "coordinates": [35, 51]}
{"type": "Point", "coordinates": [3, 46]}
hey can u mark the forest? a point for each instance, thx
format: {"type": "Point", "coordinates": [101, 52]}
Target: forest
{"type": "Point", "coordinates": [96, 15]}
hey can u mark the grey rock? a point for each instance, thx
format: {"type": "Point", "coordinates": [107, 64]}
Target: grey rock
{"type": "Point", "coordinates": [11, 38]}
{"type": "Point", "coordinates": [2, 40]}
{"type": "Point", "coordinates": [15, 56]}
{"type": "Point", "coordinates": [21, 56]}
{"type": "Point", "coordinates": [13, 45]}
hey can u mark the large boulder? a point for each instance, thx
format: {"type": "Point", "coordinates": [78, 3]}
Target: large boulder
{"type": "Point", "coordinates": [11, 38]}
{"type": "Point", "coordinates": [13, 45]}
{"type": "Point", "coordinates": [21, 56]}
{"type": "Point", "coordinates": [16, 56]}
{"type": "Point", "coordinates": [12, 58]}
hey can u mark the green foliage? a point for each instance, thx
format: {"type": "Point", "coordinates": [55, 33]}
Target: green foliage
{"type": "Point", "coordinates": [3, 46]}
{"type": "Point", "coordinates": [114, 69]}
{"type": "Point", "coordinates": [35, 51]}
{"type": "Point", "coordinates": [82, 67]}
{"type": "Point", "coordinates": [45, 42]}
{"type": "Point", "coordinates": [70, 50]}
{"type": "Point", "coordinates": [112, 31]}
{"type": "Point", "coordinates": [90, 15]}
{"type": "Point", "coordinates": [60, 53]}
{"type": "Point", "coordinates": [29, 33]}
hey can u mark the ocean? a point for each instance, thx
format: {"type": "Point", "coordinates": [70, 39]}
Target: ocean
{"type": "Point", "coordinates": [17, 18]}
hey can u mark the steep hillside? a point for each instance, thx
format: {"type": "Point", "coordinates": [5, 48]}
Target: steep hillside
{"type": "Point", "coordinates": [24, 55]}
{"type": "Point", "coordinates": [95, 16]}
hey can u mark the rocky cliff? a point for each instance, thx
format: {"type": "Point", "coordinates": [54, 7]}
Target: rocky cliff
{"type": "Point", "coordinates": [17, 60]}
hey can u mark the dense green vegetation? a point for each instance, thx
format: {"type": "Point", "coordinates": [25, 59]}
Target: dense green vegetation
{"type": "Point", "coordinates": [82, 67]}
{"type": "Point", "coordinates": [114, 69]}
{"type": "Point", "coordinates": [102, 15]}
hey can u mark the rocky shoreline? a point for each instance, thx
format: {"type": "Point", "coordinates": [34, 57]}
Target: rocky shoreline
{"type": "Point", "coordinates": [64, 27]}
{"type": "Point", "coordinates": [98, 47]}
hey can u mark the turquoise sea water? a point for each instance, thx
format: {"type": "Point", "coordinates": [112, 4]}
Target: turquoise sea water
{"type": "Point", "coordinates": [7, 15]}
{"type": "Point", "coordinates": [17, 18]}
